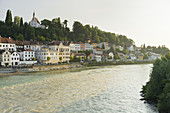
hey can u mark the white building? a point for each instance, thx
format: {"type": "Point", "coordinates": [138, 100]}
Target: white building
{"type": "Point", "coordinates": [15, 58]}
{"type": "Point", "coordinates": [154, 56]}
{"type": "Point", "coordinates": [111, 55]}
{"type": "Point", "coordinates": [7, 43]}
{"type": "Point", "coordinates": [131, 48]}
{"type": "Point", "coordinates": [26, 55]}
{"type": "Point", "coordinates": [97, 51]}
{"type": "Point", "coordinates": [88, 46]}
{"type": "Point", "coordinates": [75, 47]}
{"type": "Point", "coordinates": [98, 58]}
{"type": "Point", "coordinates": [5, 58]}
{"type": "Point", "coordinates": [35, 23]}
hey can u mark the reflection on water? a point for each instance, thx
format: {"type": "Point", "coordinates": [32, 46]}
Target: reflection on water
{"type": "Point", "coordinates": [109, 89]}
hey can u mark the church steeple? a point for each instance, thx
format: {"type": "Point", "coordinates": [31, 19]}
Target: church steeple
{"type": "Point", "coordinates": [33, 14]}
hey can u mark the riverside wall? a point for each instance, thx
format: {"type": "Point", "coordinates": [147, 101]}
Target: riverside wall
{"type": "Point", "coordinates": [10, 71]}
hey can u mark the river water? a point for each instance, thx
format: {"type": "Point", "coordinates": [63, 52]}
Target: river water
{"type": "Point", "coordinates": [107, 89]}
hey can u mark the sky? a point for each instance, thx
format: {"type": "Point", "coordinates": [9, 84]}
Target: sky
{"type": "Point", "coordinates": [144, 21]}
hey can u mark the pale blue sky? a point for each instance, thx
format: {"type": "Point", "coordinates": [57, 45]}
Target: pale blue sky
{"type": "Point", "coordinates": [145, 21]}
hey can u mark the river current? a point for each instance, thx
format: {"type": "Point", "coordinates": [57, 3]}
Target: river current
{"type": "Point", "coordinates": [106, 89]}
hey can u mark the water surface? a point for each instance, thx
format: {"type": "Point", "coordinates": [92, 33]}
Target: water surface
{"type": "Point", "coordinates": [107, 89]}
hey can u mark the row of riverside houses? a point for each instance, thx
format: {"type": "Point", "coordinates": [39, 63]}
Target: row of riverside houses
{"type": "Point", "coordinates": [15, 53]}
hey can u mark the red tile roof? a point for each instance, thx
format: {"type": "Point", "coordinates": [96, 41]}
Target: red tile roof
{"type": "Point", "coordinates": [7, 40]}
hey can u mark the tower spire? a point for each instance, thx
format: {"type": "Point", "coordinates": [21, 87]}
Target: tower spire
{"type": "Point", "coordinates": [33, 14]}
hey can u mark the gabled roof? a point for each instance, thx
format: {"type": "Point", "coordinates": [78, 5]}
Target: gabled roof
{"type": "Point", "coordinates": [7, 40]}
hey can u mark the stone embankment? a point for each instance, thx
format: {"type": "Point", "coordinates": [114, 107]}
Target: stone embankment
{"type": "Point", "coordinates": [10, 71]}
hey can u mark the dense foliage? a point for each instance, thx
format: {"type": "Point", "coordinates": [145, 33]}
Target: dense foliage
{"type": "Point", "coordinates": [157, 90]}
{"type": "Point", "coordinates": [160, 49]}
{"type": "Point", "coordinates": [57, 30]}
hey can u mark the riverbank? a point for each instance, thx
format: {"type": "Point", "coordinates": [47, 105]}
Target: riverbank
{"type": "Point", "coordinates": [117, 63]}
{"type": "Point", "coordinates": [40, 68]}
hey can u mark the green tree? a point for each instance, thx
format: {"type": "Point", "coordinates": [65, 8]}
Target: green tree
{"type": "Point", "coordinates": [8, 19]}
{"type": "Point", "coordinates": [79, 58]}
{"type": "Point", "coordinates": [116, 57]}
{"type": "Point", "coordinates": [164, 100]}
{"type": "Point", "coordinates": [65, 23]}
{"type": "Point", "coordinates": [145, 56]}
{"type": "Point", "coordinates": [157, 90]}
{"type": "Point", "coordinates": [90, 57]}
{"type": "Point", "coordinates": [20, 37]}
{"type": "Point", "coordinates": [85, 58]}
{"type": "Point", "coordinates": [71, 58]}
{"type": "Point", "coordinates": [21, 22]}
{"type": "Point", "coordinates": [48, 58]}
{"type": "Point", "coordinates": [60, 58]}
{"type": "Point", "coordinates": [46, 22]}
{"type": "Point", "coordinates": [34, 59]}
{"type": "Point", "coordinates": [17, 20]}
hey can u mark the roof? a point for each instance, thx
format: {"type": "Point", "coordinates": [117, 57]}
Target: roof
{"type": "Point", "coordinates": [7, 40]}
{"type": "Point", "coordinates": [1, 51]}
{"type": "Point", "coordinates": [37, 20]}
{"type": "Point", "coordinates": [79, 54]}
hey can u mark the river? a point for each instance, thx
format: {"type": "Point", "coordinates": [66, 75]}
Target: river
{"type": "Point", "coordinates": [106, 89]}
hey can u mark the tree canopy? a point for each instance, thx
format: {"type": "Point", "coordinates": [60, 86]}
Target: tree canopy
{"type": "Point", "coordinates": [57, 30]}
{"type": "Point", "coordinates": [157, 90]}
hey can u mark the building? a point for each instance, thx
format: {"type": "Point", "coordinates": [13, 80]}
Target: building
{"type": "Point", "coordinates": [82, 46]}
{"type": "Point", "coordinates": [53, 53]}
{"type": "Point", "coordinates": [88, 46]}
{"type": "Point", "coordinates": [103, 45]}
{"type": "Point", "coordinates": [98, 51]}
{"type": "Point", "coordinates": [47, 56]}
{"type": "Point", "coordinates": [82, 56]}
{"type": "Point", "coordinates": [130, 48]}
{"type": "Point", "coordinates": [94, 45]}
{"type": "Point", "coordinates": [75, 47]}
{"type": "Point", "coordinates": [26, 54]}
{"type": "Point", "coordinates": [139, 56]}
{"type": "Point", "coordinates": [7, 43]}
{"type": "Point", "coordinates": [15, 58]}
{"type": "Point", "coordinates": [98, 58]}
{"type": "Point", "coordinates": [154, 56]}
{"type": "Point", "coordinates": [5, 58]}
{"type": "Point", "coordinates": [35, 23]}
{"type": "Point", "coordinates": [64, 53]}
